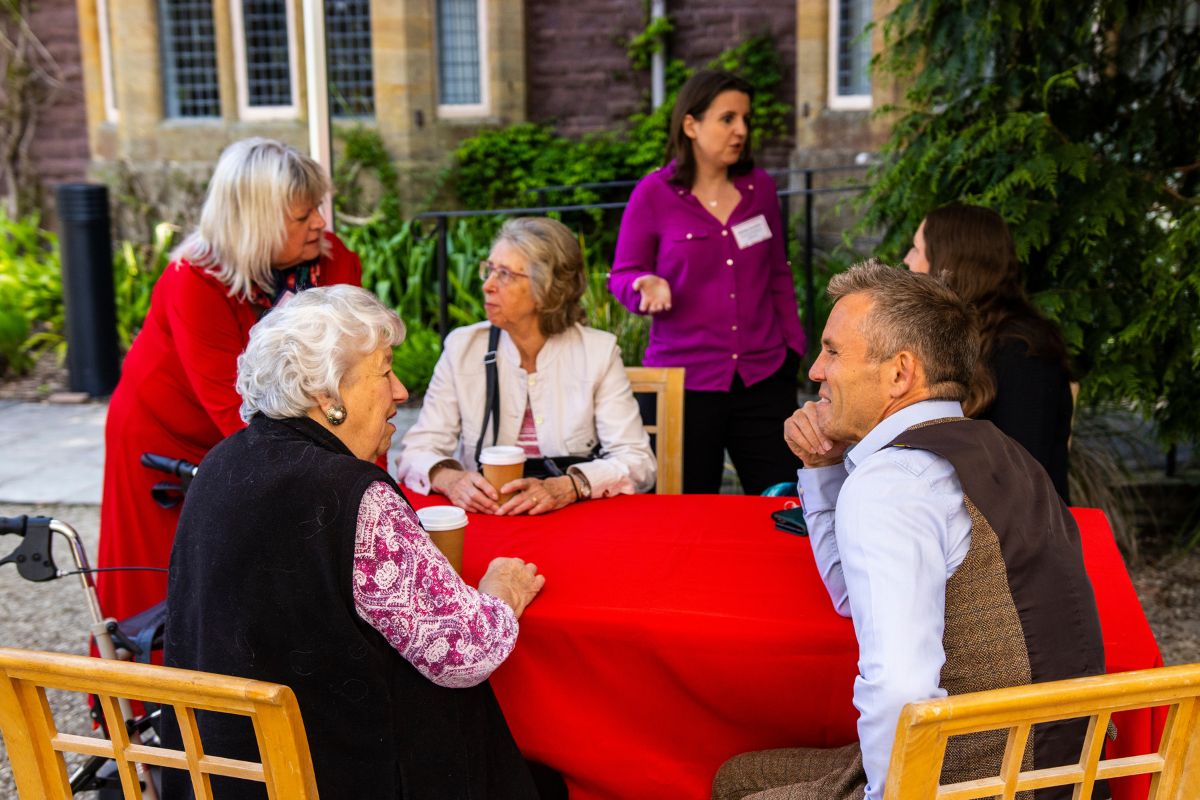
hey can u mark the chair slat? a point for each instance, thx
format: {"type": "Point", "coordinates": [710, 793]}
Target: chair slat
{"type": "Point", "coordinates": [84, 745]}
{"type": "Point", "coordinates": [120, 743]}
{"type": "Point", "coordinates": [193, 748]}
{"type": "Point", "coordinates": [666, 383]}
{"type": "Point", "coordinates": [1014, 755]}
{"type": "Point", "coordinates": [1093, 748]}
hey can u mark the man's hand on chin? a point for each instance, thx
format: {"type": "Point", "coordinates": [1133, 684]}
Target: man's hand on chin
{"type": "Point", "coordinates": [804, 433]}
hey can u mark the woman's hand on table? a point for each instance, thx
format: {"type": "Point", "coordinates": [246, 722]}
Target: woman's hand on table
{"type": "Point", "coordinates": [513, 581]}
{"type": "Point", "coordinates": [468, 490]}
{"type": "Point", "coordinates": [536, 496]}
{"type": "Point", "coordinates": [656, 294]}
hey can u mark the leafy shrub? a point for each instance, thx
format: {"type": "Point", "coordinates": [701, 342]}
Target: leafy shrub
{"type": "Point", "coordinates": [416, 357]}
{"type": "Point", "coordinates": [135, 270]}
{"type": "Point", "coordinates": [31, 308]}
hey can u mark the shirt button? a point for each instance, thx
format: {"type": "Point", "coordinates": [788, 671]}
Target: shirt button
{"type": "Point", "coordinates": [689, 236]}
{"type": "Point", "coordinates": [538, 420]}
{"type": "Point", "coordinates": [725, 233]}
{"type": "Point", "coordinates": [729, 261]}
{"type": "Point", "coordinates": [532, 381]}
{"type": "Point", "coordinates": [733, 328]}
{"type": "Point", "coordinates": [735, 356]}
{"type": "Point", "coordinates": [732, 295]}
{"type": "Point", "coordinates": [751, 187]}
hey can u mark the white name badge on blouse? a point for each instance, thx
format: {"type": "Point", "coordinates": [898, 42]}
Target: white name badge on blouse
{"type": "Point", "coordinates": [751, 232]}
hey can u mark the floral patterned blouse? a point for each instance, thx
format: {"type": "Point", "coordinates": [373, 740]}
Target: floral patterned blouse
{"type": "Point", "coordinates": [453, 634]}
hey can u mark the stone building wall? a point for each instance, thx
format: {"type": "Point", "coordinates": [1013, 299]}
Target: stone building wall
{"type": "Point", "coordinates": [578, 72]}
{"type": "Point", "coordinates": [60, 148]}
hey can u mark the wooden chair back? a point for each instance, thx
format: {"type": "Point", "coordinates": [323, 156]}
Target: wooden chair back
{"type": "Point", "coordinates": [666, 384]}
{"type": "Point", "coordinates": [925, 727]}
{"type": "Point", "coordinates": [35, 746]}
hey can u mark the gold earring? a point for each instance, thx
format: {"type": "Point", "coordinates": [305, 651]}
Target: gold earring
{"type": "Point", "coordinates": [336, 415]}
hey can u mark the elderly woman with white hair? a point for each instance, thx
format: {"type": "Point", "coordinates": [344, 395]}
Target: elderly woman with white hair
{"type": "Point", "coordinates": [261, 238]}
{"type": "Point", "coordinates": [298, 561]}
{"type": "Point", "coordinates": [561, 392]}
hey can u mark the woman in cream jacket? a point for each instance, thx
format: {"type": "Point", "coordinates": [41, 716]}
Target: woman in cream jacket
{"type": "Point", "coordinates": [562, 387]}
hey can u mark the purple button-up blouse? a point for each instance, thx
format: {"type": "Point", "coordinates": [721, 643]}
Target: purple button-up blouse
{"type": "Point", "coordinates": [732, 309]}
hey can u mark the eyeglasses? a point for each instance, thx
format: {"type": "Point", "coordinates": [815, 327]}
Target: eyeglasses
{"type": "Point", "coordinates": [504, 275]}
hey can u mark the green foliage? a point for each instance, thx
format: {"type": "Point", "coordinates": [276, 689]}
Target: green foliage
{"type": "Point", "coordinates": [31, 309]}
{"type": "Point", "coordinates": [365, 178]}
{"type": "Point", "coordinates": [414, 360]}
{"type": "Point", "coordinates": [649, 41]}
{"type": "Point", "coordinates": [1077, 124]}
{"type": "Point", "coordinates": [135, 270]}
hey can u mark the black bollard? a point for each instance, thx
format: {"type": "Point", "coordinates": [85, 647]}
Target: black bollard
{"type": "Point", "coordinates": [87, 266]}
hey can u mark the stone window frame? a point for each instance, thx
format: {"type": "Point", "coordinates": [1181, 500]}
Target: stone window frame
{"type": "Point", "coordinates": [484, 106]}
{"type": "Point", "coordinates": [246, 111]}
{"type": "Point", "coordinates": [836, 100]}
{"type": "Point", "coordinates": [108, 85]}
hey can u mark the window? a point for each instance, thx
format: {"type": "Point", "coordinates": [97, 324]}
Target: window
{"type": "Point", "coordinates": [107, 82]}
{"type": "Point", "coordinates": [461, 56]}
{"type": "Point", "coordinates": [263, 51]}
{"type": "Point", "coordinates": [849, 54]}
{"type": "Point", "coordinates": [348, 49]}
{"type": "Point", "coordinates": [189, 57]}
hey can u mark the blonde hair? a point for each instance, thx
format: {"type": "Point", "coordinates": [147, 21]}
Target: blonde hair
{"type": "Point", "coordinates": [555, 269]}
{"type": "Point", "coordinates": [305, 347]}
{"type": "Point", "coordinates": [243, 222]}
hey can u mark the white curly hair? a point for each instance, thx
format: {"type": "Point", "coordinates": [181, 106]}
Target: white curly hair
{"type": "Point", "coordinates": [304, 349]}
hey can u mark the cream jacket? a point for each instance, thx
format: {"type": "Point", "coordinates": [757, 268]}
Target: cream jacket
{"type": "Point", "coordinates": [579, 396]}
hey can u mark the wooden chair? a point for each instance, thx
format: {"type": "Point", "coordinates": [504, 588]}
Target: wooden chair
{"type": "Point", "coordinates": [923, 729]}
{"type": "Point", "coordinates": [666, 383]}
{"type": "Point", "coordinates": [35, 746]}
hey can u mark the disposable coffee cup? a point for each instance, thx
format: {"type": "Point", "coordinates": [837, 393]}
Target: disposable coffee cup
{"type": "Point", "coordinates": [501, 464]}
{"type": "Point", "coordinates": [445, 525]}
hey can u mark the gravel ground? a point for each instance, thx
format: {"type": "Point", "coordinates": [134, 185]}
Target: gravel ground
{"type": "Point", "coordinates": [53, 616]}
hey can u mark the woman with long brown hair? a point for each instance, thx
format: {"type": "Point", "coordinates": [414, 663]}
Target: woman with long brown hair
{"type": "Point", "coordinates": [701, 249]}
{"type": "Point", "coordinates": [1023, 380]}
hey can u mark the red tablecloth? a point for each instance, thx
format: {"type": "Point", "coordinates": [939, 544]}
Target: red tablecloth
{"type": "Point", "coordinates": [677, 631]}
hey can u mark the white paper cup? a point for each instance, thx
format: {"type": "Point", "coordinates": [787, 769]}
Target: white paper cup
{"type": "Point", "coordinates": [501, 464]}
{"type": "Point", "coordinates": [445, 526]}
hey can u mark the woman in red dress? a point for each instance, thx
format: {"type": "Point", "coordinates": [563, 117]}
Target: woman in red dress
{"type": "Point", "coordinates": [261, 238]}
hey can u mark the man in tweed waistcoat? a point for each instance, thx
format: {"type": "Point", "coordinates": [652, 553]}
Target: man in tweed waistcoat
{"type": "Point", "coordinates": [940, 537]}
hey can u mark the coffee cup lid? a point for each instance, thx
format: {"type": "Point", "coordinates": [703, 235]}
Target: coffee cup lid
{"type": "Point", "coordinates": [442, 518]}
{"type": "Point", "coordinates": [502, 454]}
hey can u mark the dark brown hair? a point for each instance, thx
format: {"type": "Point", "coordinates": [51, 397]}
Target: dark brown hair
{"type": "Point", "coordinates": [970, 249]}
{"type": "Point", "coordinates": [914, 312]}
{"type": "Point", "coordinates": [694, 98]}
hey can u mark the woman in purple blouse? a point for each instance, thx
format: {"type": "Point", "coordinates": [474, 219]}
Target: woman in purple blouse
{"type": "Point", "coordinates": [701, 248]}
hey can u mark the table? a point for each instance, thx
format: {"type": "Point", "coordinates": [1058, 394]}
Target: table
{"type": "Point", "coordinates": [676, 631]}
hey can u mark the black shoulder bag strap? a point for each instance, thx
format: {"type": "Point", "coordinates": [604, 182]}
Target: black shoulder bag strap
{"type": "Point", "coordinates": [491, 407]}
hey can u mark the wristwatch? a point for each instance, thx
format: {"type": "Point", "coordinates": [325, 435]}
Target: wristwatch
{"type": "Point", "coordinates": [581, 483]}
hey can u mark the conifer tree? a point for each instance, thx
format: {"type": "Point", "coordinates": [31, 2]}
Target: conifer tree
{"type": "Point", "coordinates": [1080, 124]}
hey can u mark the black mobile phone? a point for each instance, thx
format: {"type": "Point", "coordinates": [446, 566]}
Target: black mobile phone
{"type": "Point", "coordinates": [791, 520]}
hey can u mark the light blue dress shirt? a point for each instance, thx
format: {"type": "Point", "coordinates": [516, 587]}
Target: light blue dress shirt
{"type": "Point", "coordinates": [888, 527]}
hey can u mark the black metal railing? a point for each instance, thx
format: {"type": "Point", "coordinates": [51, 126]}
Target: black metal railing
{"type": "Point", "coordinates": [808, 192]}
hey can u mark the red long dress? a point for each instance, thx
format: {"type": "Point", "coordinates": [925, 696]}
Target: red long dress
{"type": "Point", "coordinates": [176, 398]}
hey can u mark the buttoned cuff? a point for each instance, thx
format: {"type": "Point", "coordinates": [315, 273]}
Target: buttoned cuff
{"type": "Point", "coordinates": [820, 486]}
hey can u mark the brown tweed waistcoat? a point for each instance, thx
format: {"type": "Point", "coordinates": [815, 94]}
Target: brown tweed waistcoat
{"type": "Point", "coordinates": [1020, 608]}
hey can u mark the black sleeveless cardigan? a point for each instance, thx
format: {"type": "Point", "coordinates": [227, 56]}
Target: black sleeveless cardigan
{"type": "Point", "coordinates": [260, 587]}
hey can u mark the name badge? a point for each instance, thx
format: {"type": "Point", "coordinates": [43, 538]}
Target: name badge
{"type": "Point", "coordinates": [752, 231]}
